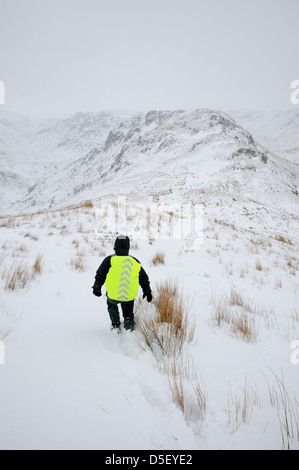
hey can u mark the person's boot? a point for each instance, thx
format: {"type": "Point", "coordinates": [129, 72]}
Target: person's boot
{"type": "Point", "coordinates": [129, 323]}
{"type": "Point", "coordinates": [114, 315]}
{"type": "Point", "coordinates": [116, 326]}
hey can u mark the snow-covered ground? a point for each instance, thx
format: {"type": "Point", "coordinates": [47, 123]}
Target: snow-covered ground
{"type": "Point", "coordinates": [70, 383]}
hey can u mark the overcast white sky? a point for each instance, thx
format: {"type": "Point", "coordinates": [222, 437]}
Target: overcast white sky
{"type": "Point", "coordinates": [90, 55]}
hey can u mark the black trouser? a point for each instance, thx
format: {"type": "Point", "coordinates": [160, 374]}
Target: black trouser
{"type": "Point", "coordinates": [127, 309]}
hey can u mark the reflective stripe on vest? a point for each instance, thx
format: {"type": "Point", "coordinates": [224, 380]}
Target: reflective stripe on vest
{"type": "Point", "coordinates": [122, 282]}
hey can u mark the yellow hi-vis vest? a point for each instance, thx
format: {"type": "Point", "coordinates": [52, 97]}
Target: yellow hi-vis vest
{"type": "Point", "coordinates": [122, 281]}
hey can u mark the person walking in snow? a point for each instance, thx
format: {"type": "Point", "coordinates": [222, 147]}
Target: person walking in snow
{"type": "Point", "coordinates": [122, 275]}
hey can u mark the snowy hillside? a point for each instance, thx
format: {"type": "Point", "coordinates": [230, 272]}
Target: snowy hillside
{"type": "Point", "coordinates": [71, 383]}
{"type": "Point", "coordinates": [278, 131]}
{"type": "Point", "coordinates": [14, 184]}
{"type": "Point", "coordinates": [34, 149]}
{"type": "Point", "coordinates": [190, 154]}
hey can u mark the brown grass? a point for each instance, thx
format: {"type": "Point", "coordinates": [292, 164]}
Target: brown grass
{"type": "Point", "coordinates": [81, 228]}
{"type": "Point", "coordinates": [201, 396]}
{"type": "Point", "coordinates": [287, 411]}
{"type": "Point", "coordinates": [282, 239]}
{"type": "Point", "coordinates": [237, 299]}
{"type": "Point", "coordinates": [240, 408]}
{"type": "Point", "coordinates": [8, 222]}
{"type": "Point", "coordinates": [258, 266]}
{"type": "Point", "coordinates": [176, 384]}
{"type": "Point", "coordinates": [238, 316]}
{"type": "Point", "coordinates": [19, 274]}
{"type": "Point", "coordinates": [21, 249]}
{"type": "Point", "coordinates": [76, 243]}
{"type": "Point", "coordinates": [244, 327]}
{"type": "Point", "coordinates": [78, 262]}
{"type": "Point", "coordinates": [84, 205]}
{"type": "Point", "coordinates": [165, 328]}
{"type": "Point", "coordinates": [159, 258]}
{"type": "Point", "coordinates": [37, 267]}
{"type": "Point", "coordinates": [183, 382]}
{"type": "Point", "coordinates": [169, 328]}
{"type": "Point", "coordinates": [135, 246]}
{"type": "Point", "coordinates": [170, 306]}
{"type": "Point", "coordinates": [31, 236]}
{"type": "Point", "coordinates": [225, 224]}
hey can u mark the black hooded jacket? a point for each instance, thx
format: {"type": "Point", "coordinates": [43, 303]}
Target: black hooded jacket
{"type": "Point", "coordinates": [122, 248]}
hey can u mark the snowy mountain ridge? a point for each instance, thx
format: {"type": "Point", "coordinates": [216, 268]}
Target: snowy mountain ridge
{"type": "Point", "coordinates": [32, 149]}
{"type": "Point", "coordinates": [186, 154]}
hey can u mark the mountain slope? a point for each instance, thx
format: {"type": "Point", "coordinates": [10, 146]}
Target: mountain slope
{"type": "Point", "coordinates": [189, 154]}
{"type": "Point", "coordinates": [31, 150]}
{"type": "Point", "coordinates": [278, 131]}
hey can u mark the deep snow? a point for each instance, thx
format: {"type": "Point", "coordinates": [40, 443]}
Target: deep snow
{"type": "Point", "coordinates": [70, 383]}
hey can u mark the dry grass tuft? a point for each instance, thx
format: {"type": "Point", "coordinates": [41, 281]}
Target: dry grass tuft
{"type": "Point", "coordinates": [169, 328]}
{"type": "Point", "coordinates": [171, 306]}
{"type": "Point", "coordinates": [78, 262]}
{"type": "Point", "coordinates": [165, 328]}
{"type": "Point", "coordinates": [84, 205]}
{"type": "Point", "coordinates": [287, 411]}
{"type": "Point", "coordinates": [258, 266]}
{"type": "Point", "coordinates": [176, 384]}
{"type": "Point", "coordinates": [201, 396]}
{"type": "Point", "coordinates": [18, 275]}
{"type": "Point", "coordinates": [240, 408]}
{"type": "Point", "coordinates": [159, 258]}
{"type": "Point", "coordinates": [238, 316]}
{"type": "Point", "coordinates": [38, 265]}
{"type": "Point", "coordinates": [184, 384]}
{"type": "Point", "coordinates": [282, 239]}
{"type": "Point", "coordinates": [7, 222]}
{"type": "Point", "coordinates": [31, 236]}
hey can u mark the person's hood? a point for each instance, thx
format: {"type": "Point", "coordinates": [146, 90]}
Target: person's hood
{"type": "Point", "coordinates": [122, 245]}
